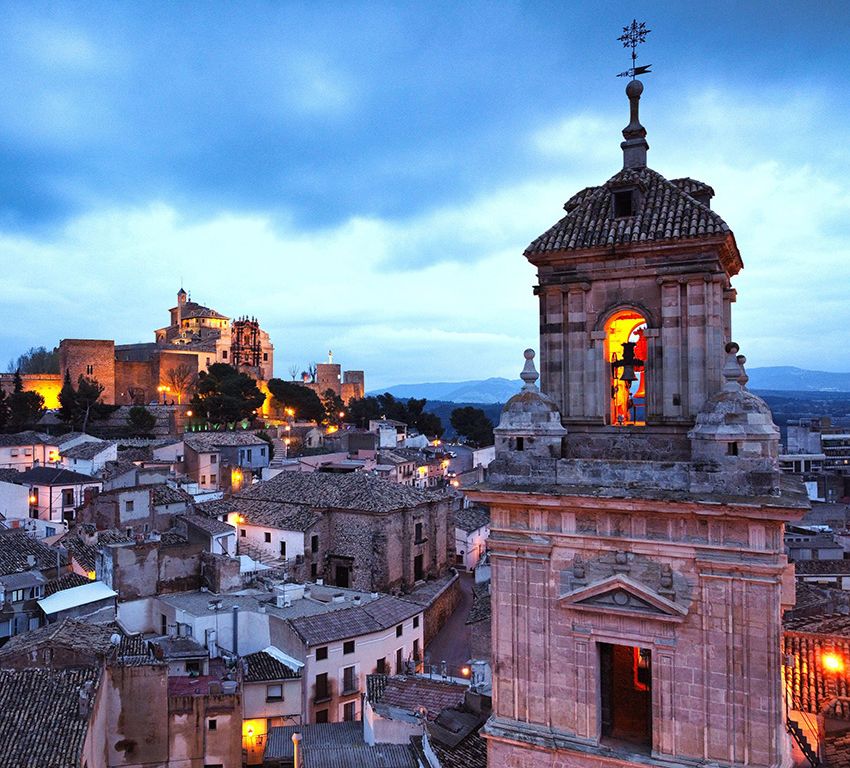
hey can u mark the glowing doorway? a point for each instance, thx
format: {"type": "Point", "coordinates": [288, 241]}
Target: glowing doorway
{"type": "Point", "coordinates": [625, 353]}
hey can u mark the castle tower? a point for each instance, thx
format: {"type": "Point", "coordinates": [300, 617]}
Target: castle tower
{"type": "Point", "coordinates": [637, 510]}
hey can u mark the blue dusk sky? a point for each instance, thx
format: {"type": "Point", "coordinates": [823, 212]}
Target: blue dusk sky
{"type": "Point", "coordinates": [364, 177]}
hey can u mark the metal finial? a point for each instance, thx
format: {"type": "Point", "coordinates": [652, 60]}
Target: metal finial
{"type": "Point", "coordinates": [633, 35]}
{"type": "Point", "coordinates": [529, 373]}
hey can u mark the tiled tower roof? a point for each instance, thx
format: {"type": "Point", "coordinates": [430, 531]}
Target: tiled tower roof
{"type": "Point", "coordinates": [667, 212]}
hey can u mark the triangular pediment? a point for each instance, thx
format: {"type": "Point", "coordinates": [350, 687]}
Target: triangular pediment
{"type": "Point", "coordinates": [620, 594]}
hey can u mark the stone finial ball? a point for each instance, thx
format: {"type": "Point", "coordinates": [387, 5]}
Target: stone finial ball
{"type": "Point", "coordinates": [634, 89]}
{"type": "Point", "coordinates": [529, 354]}
{"type": "Point", "coordinates": [742, 359]}
{"type": "Point", "coordinates": [732, 347]}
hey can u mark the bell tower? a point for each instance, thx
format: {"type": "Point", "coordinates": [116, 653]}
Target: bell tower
{"type": "Point", "coordinates": [637, 509]}
{"type": "Point", "coordinates": [635, 305]}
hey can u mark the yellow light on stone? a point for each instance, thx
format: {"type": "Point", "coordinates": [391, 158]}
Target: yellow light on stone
{"type": "Point", "coordinates": [832, 662]}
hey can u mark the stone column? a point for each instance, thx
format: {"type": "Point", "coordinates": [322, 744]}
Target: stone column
{"type": "Point", "coordinates": [671, 344]}
{"type": "Point", "coordinates": [696, 345]}
{"type": "Point", "coordinates": [552, 352]}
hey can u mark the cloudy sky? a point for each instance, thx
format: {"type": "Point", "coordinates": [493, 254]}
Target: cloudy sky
{"type": "Point", "coordinates": [364, 177]}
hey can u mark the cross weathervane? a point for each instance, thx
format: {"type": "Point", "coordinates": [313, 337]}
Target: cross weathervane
{"type": "Point", "coordinates": [633, 35]}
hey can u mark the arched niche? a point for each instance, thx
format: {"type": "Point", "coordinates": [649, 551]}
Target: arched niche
{"type": "Point", "coordinates": [625, 351]}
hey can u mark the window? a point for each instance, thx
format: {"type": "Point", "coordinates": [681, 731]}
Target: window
{"type": "Point", "coordinates": [262, 451]}
{"type": "Point", "coordinates": [274, 692]}
{"type": "Point", "coordinates": [33, 497]}
{"type": "Point", "coordinates": [267, 537]}
{"type": "Point", "coordinates": [14, 451]}
{"type": "Point", "coordinates": [212, 724]}
{"type": "Point", "coordinates": [283, 549]}
{"type": "Point", "coordinates": [520, 444]}
{"type": "Point", "coordinates": [416, 622]}
{"type": "Point", "coordinates": [203, 479]}
{"type": "Point", "coordinates": [322, 716]}
{"type": "Point", "coordinates": [49, 531]}
{"type": "Point", "coordinates": [349, 681]}
{"type": "Point", "coordinates": [89, 370]}
{"type": "Point", "coordinates": [416, 649]}
{"type": "Point", "coordinates": [399, 661]}
{"type": "Point", "coordinates": [224, 354]}
{"type": "Point", "coordinates": [624, 203]}
{"type": "Point", "coordinates": [67, 497]}
{"type": "Point", "coordinates": [348, 646]}
{"type": "Point", "coordinates": [193, 668]}
{"type": "Point", "coordinates": [418, 532]}
{"type": "Point", "coordinates": [314, 543]}
{"type": "Point", "coordinates": [213, 479]}
{"type": "Point", "coordinates": [314, 571]}
{"type": "Point", "coordinates": [322, 653]}
{"type": "Point", "coordinates": [399, 630]}
{"type": "Point", "coordinates": [732, 449]}
{"type": "Point", "coordinates": [265, 357]}
{"type": "Point", "coordinates": [17, 595]}
{"type": "Point", "coordinates": [381, 666]}
{"type": "Point", "coordinates": [213, 458]}
{"type": "Point", "coordinates": [242, 532]}
{"type": "Point", "coordinates": [322, 689]}
{"type": "Point", "coordinates": [249, 454]}
{"type": "Point", "coordinates": [128, 505]}
{"type": "Point", "coordinates": [349, 712]}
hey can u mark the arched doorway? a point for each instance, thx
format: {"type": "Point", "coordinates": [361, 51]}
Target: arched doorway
{"type": "Point", "coordinates": [625, 354]}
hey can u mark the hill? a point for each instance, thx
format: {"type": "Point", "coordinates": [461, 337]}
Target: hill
{"type": "Point", "coordinates": [784, 378]}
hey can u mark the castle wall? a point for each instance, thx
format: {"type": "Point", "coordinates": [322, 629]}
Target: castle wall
{"type": "Point", "coordinates": [91, 358]}
{"type": "Point", "coordinates": [46, 384]}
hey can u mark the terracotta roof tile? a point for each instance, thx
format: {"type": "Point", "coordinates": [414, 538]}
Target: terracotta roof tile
{"type": "Point", "coordinates": [668, 212]}
{"type": "Point", "coordinates": [355, 490]}
{"type": "Point", "coordinates": [263, 666]}
{"type": "Point", "coordinates": [41, 725]}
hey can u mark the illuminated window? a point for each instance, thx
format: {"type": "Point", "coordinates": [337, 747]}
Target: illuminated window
{"type": "Point", "coordinates": [625, 352]}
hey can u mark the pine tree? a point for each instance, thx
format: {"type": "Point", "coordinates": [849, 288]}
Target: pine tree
{"type": "Point", "coordinates": [68, 410]}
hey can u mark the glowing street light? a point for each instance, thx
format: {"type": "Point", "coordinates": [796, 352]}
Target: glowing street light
{"type": "Point", "coordinates": [832, 662]}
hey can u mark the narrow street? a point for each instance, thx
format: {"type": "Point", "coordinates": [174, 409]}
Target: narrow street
{"type": "Point", "coordinates": [451, 644]}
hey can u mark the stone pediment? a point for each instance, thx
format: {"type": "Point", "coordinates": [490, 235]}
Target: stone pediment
{"type": "Point", "coordinates": [619, 594]}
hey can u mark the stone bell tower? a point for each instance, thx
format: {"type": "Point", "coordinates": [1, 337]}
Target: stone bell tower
{"type": "Point", "coordinates": [637, 510]}
{"type": "Point", "coordinates": [638, 260]}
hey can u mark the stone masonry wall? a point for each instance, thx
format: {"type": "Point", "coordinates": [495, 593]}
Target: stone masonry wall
{"type": "Point", "coordinates": [92, 358]}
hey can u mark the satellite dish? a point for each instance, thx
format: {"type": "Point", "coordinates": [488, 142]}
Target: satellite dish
{"type": "Point", "coordinates": [115, 639]}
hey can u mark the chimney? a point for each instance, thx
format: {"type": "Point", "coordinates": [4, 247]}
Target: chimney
{"type": "Point", "coordinates": [236, 629]}
{"type": "Point", "coordinates": [31, 561]}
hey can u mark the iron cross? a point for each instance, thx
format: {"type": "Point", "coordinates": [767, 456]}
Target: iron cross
{"type": "Point", "coordinates": [633, 35]}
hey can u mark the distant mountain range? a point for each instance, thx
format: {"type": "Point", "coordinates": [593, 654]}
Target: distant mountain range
{"type": "Point", "coordinates": [497, 390]}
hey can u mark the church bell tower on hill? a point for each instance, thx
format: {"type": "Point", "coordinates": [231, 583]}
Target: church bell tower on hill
{"type": "Point", "coordinates": [637, 510]}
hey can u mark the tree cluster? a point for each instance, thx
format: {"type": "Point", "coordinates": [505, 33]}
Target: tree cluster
{"type": "Point", "coordinates": [412, 412]}
{"type": "Point", "coordinates": [36, 360]}
{"type": "Point", "coordinates": [141, 419]}
{"type": "Point", "coordinates": [303, 401]}
{"type": "Point", "coordinates": [20, 409]}
{"type": "Point", "coordinates": [79, 405]}
{"type": "Point", "coordinates": [225, 396]}
{"type": "Point", "coordinates": [472, 425]}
